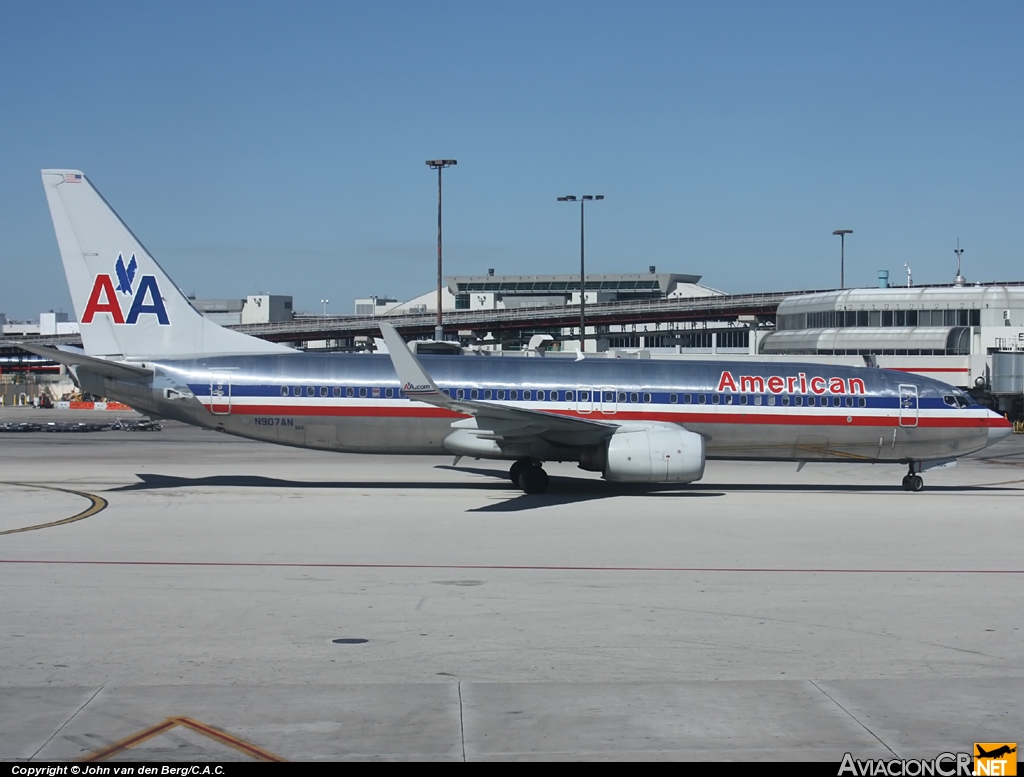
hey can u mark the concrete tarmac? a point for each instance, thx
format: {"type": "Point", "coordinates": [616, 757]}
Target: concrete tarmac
{"type": "Point", "coordinates": [763, 613]}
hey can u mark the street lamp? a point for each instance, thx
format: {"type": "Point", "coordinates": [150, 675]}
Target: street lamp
{"type": "Point", "coordinates": [439, 165]}
{"type": "Point", "coordinates": [842, 255]}
{"type": "Point", "coordinates": [583, 200]}
{"type": "Point", "coordinates": [324, 303]}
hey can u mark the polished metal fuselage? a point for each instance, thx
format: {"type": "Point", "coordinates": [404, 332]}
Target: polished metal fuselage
{"type": "Point", "coordinates": [353, 403]}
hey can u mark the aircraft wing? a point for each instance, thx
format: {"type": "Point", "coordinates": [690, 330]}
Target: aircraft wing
{"type": "Point", "coordinates": [75, 358]}
{"type": "Point", "coordinates": [501, 421]}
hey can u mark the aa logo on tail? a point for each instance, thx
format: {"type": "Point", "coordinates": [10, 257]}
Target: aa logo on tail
{"type": "Point", "coordinates": [145, 299]}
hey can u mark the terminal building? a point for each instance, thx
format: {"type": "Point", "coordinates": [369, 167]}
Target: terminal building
{"type": "Point", "coordinates": [502, 292]}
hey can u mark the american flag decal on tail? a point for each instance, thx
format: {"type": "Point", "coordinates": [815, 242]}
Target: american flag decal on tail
{"type": "Point", "coordinates": [72, 178]}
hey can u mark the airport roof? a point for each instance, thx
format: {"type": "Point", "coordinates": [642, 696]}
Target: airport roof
{"type": "Point", "coordinates": [643, 283]}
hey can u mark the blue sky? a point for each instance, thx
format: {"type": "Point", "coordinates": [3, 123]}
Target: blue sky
{"type": "Point", "coordinates": [280, 147]}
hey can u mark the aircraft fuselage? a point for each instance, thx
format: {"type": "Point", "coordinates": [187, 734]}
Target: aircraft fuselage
{"type": "Point", "coordinates": [743, 410]}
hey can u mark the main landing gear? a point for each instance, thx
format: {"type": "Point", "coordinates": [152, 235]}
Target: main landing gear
{"type": "Point", "coordinates": [529, 475]}
{"type": "Point", "coordinates": [912, 481]}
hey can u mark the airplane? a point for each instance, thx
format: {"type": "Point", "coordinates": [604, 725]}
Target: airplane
{"type": "Point", "coordinates": [635, 421]}
{"type": "Point", "coordinates": [999, 751]}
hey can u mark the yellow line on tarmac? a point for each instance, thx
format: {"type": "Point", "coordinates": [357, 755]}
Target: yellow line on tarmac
{"type": "Point", "coordinates": [98, 504]}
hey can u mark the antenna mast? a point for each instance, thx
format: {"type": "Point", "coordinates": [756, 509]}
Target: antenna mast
{"type": "Point", "coordinates": [959, 280]}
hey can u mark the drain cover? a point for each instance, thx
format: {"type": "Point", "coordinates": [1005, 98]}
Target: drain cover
{"type": "Point", "coordinates": [349, 641]}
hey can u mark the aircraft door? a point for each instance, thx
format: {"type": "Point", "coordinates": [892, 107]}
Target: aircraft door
{"type": "Point", "coordinates": [908, 405]}
{"type": "Point", "coordinates": [608, 401]}
{"type": "Point", "coordinates": [220, 393]}
{"type": "Point", "coordinates": [584, 401]}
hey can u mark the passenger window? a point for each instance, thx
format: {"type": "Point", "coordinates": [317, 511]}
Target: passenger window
{"type": "Point", "coordinates": [568, 396]}
{"type": "Point", "coordinates": [785, 401]}
{"type": "Point", "coordinates": [474, 394]}
{"type": "Point", "coordinates": [298, 391]}
{"type": "Point", "coordinates": [540, 395]}
{"type": "Point", "coordinates": [757, 400]}
{"type": "Point", "coordinates": [389, 393]}
{"type": "Point", "coordinates": [771, 400]}
{"type": "Point", "coordinates": [487, 393]}
{"type": "Point", "coordinates": [702, 399]}
{"type": "Point", "coordinates": [501, 393]}
{"type": "Point", "coordinates": [310, 391]}
{"type": "Point", "coordinates": [350, 392]}
{"type": "Point", "coordinates": [284, 391]}
{"type": "Point", "coordinates": [716, 399]}
{"type": "Point", "coordinates": [728, 399]}
{"type": "Point", "coordinates": [634, 397]}
{"type": "Point", "coordinates": [376, 393]}
{"type": "Point", "coordinates": [446, 392]}
{"type": "Point", "coordinates": [862, 402]}
{"type": "Point", "coordinates": [460, 393]}
{"type": "Point", "coordinates": [622, 396]}
{"type": "Point", "coordinates": [323, 391]}
{"type": "Point", "coordinates": [527, 394]}
{"type": "Point", "coordinates": [584, 396]}
{"type": "Point", "coordinates": [687, 399]}
{"type": "Point", "coordinates": [362, 392]}
{"type": "Point", "coordinates": [673, 398]}
{"type": "Point", "coordinates": [609, 396]}
{"type": "Point", "coordinates": [337, 391]}
{"type": "Point", "coordinates": [743, 399]}
{"type": "Point", "coordinates": [798, 401]}
{"type": "Point", "coordinates": [513, 394]}
{"type": "Point", "coordinates": [647, 398]}
{"type": "Point", "coordinates": [849, 401]}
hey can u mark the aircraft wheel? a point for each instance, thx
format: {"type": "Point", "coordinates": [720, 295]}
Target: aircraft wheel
{"type": "Point", "coordinates": [906, 482]}
{"type": "Point", "coordinates": [522, 464]}
{"type": "Point", "coordinates": [916, 483]}
{"type": "Point", "coordinates": [533, 480]}
{"type": "Point", "coordinates": [517, 469]}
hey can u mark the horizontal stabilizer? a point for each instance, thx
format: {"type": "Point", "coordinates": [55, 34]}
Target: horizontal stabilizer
{"type": "Point", "coordinates": [102, 367]}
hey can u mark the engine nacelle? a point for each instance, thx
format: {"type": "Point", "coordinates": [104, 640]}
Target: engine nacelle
{"type": "Point", "coordinates": [654, 453]}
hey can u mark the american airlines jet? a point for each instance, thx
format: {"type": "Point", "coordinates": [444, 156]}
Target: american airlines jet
{"type": "Point", "coordinates": [632, 421]}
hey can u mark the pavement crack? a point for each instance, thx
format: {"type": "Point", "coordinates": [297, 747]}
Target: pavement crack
{"type": "Point", "coordinates": [854, 718]}
{"type": "Point", "coordinates": [65, 723]}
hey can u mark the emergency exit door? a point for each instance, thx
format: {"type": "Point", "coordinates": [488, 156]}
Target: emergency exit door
{"type": "Point", "coordinates": [908, 405]}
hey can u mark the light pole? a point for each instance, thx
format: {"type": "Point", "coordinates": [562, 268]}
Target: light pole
{"type": "Point", "coordinates": [324, 303]}
{"type": "Point", "coordinates": [842, 255]}
{"type": "Point", "coordinates": [439, 165]}
{"type": "Point", "coordinates": [583, 200]}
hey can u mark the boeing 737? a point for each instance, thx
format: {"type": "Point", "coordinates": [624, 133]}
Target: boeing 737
{"type": "Point", "coordinates": [634, 421]}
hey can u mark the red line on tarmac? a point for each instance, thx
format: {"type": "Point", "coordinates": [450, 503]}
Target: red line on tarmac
{"type": "Point", "coordinates": [521, 567]}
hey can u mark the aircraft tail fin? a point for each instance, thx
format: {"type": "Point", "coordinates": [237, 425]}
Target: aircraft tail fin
{"type": "Point", "coordinates": [125, 303]}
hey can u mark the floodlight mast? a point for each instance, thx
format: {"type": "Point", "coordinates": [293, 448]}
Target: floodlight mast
{"type": "Point", "coordinates": [439, 165]}
{"type": "Point", "coordinates": [842, 255]}
{"type": "Point", "coordinates": [583, 200]}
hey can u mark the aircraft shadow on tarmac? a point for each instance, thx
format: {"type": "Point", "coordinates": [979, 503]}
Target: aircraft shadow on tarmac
{"type": "Point", "coordinates": [562, 490]}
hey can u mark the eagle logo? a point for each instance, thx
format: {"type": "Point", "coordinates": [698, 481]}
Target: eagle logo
{"type": "Point", "coordinates": [125, 275]}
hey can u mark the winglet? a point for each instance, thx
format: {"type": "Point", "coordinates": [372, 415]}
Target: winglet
{"type": "Point", "coordinates": [416, 383]}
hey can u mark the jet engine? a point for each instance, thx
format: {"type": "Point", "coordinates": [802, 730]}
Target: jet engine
{"type": "Point", "coordinates": [648, 453]}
